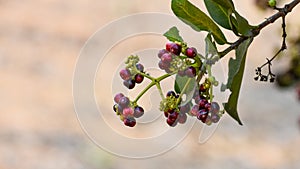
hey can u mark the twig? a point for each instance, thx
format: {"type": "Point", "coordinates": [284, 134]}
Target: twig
{"type": "Point", "coordinates": [282, 12]}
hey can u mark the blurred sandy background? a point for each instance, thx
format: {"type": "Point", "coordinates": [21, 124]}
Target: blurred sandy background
{"type": "Point", "coordinates": [39, 44]}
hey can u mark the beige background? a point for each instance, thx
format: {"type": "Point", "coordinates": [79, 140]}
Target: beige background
{"type": "Point", "coordinates": [39, 43]}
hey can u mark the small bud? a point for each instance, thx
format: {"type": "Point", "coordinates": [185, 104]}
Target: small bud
{"type": "Point", "coordinates": [272, 3]}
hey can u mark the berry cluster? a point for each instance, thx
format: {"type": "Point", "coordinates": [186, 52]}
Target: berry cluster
{"type": "Point", "coordinates": [123, 107]}
{"type": "Point", "coordinates": [171, 60]}
{"type": "Point", "coordinates": [172, 112]}
{"type": "Point", "coordinates": [205, 111]}
{"type": "Point", "coordinates": [178, 59]}
{"type": "Point", "coordinates": [132, 74]}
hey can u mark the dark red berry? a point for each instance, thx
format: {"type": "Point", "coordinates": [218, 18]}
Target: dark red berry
{"type": "Point", "coordinates": [214, 108]}
{"type": "Point", "coordinates": [129, 83]}
{"type": "Point", "coordinates": [182, 118]}
{"type": "Point", "coordinates": [125, 74]}
{"type": "Point", "coordinates": [130, 121]}
{"type": "Point", "coordinates": [175, 49]}
{"type": "Point", "coordinates": [161, 52]}
{"type": "Point", "coordinates": [191, 52]}
{"type": "Point", "coordinates": [166, 114]}
{"type": "Point", "coordinates": [202, 115]}
{"type": "Point", "coordinates": [124, 102]}
{"type": "Point", "coordinates": [190, 72]}
{"type": "Point", "coordinates": [171, 122]}
{"type": "Point", "coordinates": [195, 109]}
{"type": "Point", "coordinates": [138, 78]}
{"type": "Point", "coordinates": [140, 67]}
{"type": "Point", "coordinates": [168, 46]}
{"type": "Point", "coordinates": [207, 107]}
{"type": "Point", "coordinates": [202, 88]}
{"type": "Point", "coordinates": [166, 58]}
{"type": "Point", "coordinates": [173, 116]}
{"type": "Point", "coordinates": [138, 112]}
{"type": "Point", "coordinates": [215, 118]}
{"type": "Point", "coordinates": [163, 65]}
{"type": "Point", "coordinates": [202, 103]}
{"type": "Point", "coordinates": [118, 97]}
{"type": "Point", "coordinates": [171, 93]}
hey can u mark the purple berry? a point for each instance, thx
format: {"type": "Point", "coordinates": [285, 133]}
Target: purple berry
{"type": "Point", "coordinates": [190, 72]}
{"type": "Point", "coordinates": [166, 58]}
{"type": "Point", "coordinates": [120, 109]}
{"type": "Point", "coordinates": [182, 118]}
{"type": "Point", "coordinates": [130, 122]}
{"type": "Point", "coordinates": [214, 108]}
{"type": "Point", "coordinates": [202, 115]}
{"type": "Point", "coordinates": [125, 74]}
{"type": "Point", "coordinates": [130, 84]}
{"type": "Point", "coordinates": [118, 97]}
{"type": "Point", "coordinates": [163, 65]}
{"type": "Point", "coordinates": [138, 78]}
{"type": "Point", "coordinates": [175, 49]}
{"type": "Point", "coordinates": [191, 52]}
{"type": "Point", "coordinates": [128, 112]}
{"type": "Point", "coordinates": [140, 67]}
{"type": "Point", "coordinates": [185, 109]}
{"type": "Point", "coordinates": [161, 52]}
{"type": "Point", "coordinates": [194, 110]}
{"type": "Point", "coordinates": [124, 102]}
{"type": "Point", "coordinates": [215, 118]}
{"type": "Point", "coordinates": [138, 112]}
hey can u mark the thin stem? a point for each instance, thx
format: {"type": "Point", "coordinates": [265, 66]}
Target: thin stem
{"type": "Point", "coordinates": [282, 12]}
{"type": "Point", "coordinates": [154, 82]}
{"type": "Point", "coordinates": [160, 90]}
{"type": "Point", "coordinates": [183, 90]}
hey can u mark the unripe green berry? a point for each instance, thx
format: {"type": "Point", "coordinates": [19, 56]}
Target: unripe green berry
{"type": "Point", "coordinates": [272, 3]}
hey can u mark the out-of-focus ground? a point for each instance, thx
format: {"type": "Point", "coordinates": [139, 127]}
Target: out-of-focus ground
{"type": "Point", "coordinates": [39, 44]}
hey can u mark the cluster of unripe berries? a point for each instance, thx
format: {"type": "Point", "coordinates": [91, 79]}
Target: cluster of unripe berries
{"type": "Point", "coordinates": [126, 111]}
{"type": "Point", "coordinates": [175, 114]}
{"type": "Point", "coordinates": [130, 78]}
{"type": "Point", "coordinates": [172, 61]}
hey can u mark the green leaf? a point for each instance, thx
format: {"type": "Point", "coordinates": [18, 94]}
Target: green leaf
{"type": "Point", "coordinates": [198, 20]}
{"type": "Point", "coordinates": [185, 85]}
{"type": "Point", "coordinates": [220, 13]}
{"type": "Point", "coordinates": [240, 25]}
{"type": "Point", "coordinates": [228, 4]}
{"type": "Point", "coordinates": [173, 35]}
{"type": "Point", "coordinates": [210, 47]}
{"type": "Point", "coordinates": [235, 77]}
{"type": "Point", "coordinates": [243, 25]}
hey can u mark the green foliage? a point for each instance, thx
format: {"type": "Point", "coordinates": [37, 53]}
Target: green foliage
{"type": "Point", "coordinates": [235, 77]}
{"type": "Point", "coordinates": [219, 12]}
{"type": "Point", "coordinates": [185, 85]}
{"type": "Point", "coordinates": [198, 20]}
{"type": "Point", "coordinates": [173, 35]}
